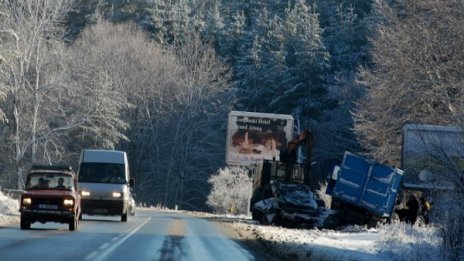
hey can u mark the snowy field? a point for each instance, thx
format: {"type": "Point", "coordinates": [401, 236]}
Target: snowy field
{"type": "Point", "coordinates": [392, 242]}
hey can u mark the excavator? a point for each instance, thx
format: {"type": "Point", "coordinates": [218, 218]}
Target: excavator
{"type": "Point", "coordinates": [281, 189]}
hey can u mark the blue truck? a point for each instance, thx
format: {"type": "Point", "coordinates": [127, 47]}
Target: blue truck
{"type": "Point", "coordinates": [363, 191]}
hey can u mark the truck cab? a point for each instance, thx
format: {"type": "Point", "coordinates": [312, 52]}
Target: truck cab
{"type": "Point", "coordinates": [105, 184]}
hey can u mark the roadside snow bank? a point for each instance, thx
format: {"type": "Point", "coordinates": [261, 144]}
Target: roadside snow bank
{"type": "Point", "coordinates": [314, 244]}
{"type": "Point", "coordinates": [398, 241]}
{"type": "Point", "coordinates": [401, 241]}
{"type": "Point", "coordinates": [8, 209]}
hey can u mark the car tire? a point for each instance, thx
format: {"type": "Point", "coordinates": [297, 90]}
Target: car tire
{"type": "Point", "coordinates": [124, 217]}
{"type": "Point", "coordinates": [74, 223]}
{"type": "Point", "coordinates": [24, 223]}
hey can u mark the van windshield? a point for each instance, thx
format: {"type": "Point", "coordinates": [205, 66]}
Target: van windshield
{"type": "Point", "coordinates": [102, 173]}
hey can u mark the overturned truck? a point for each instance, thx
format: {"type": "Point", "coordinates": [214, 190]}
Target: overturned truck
{"type": "Point", "coordinates": [363, 191]}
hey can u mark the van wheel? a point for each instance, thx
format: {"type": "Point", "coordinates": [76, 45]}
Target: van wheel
{"type": "Point", "coordinates": [124, 217]}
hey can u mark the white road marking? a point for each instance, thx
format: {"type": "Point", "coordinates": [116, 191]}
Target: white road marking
{"type": "Point", "coordinates": [91, 255]}
{"type": "Point", "coordinates": [104, 246]}
{"type": "Point", "coordinates": [96, 256]}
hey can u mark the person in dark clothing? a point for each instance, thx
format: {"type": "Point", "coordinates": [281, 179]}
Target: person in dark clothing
{"type": "Point", "coordinates": [424, 209]}
{"type": "Point", "coordinates": [61, 184]}
{"type": "Point", "coordinates": [413, 207]}
{"type": "Point", "coordinates": [409, 214]}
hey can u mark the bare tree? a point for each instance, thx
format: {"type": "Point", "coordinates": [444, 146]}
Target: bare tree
{"type": "Point", "coordinates": [201, 112]}
{"type": "Point", "coordinates": [417, 77]}
{"type": "Point", "coordinates": [177, 104]}
{"type": "Point", "coordinates": [56, 95]}
{"type": "Point", "coordinates": [416, 74]}
{"type": "Point", "coordinates": [191, 126]}
{"type": "Point", "coordinates": [30, 31]}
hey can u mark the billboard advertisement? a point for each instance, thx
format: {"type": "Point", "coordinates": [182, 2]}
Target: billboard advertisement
{"type": "Point", "coordinates": [252, 136]}
{"type": "Point", "coordinates": [432, 156]}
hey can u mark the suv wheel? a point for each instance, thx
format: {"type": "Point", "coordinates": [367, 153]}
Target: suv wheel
{"type": "Point", "coordinates": [25, 224]}
{"type": "Point", "coordinates": [74, 223]}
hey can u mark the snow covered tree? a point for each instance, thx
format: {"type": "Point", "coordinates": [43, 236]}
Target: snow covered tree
{"type": "Point", "coordinates": [231, 190]}
{"type": "Point", "coordinates": [345, 30]}
{"type": "Point", "coordinates": [308, 63]}
{"type": "Point", "coordinates": [345, 24]}
{"type": "Point", "coordinates": [283, 64]}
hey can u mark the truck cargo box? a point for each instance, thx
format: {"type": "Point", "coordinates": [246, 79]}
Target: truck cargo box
{"type": "Point", "coordinates": [366, 185]}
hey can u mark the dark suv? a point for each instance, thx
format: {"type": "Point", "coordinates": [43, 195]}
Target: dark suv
{"type": "Point", "coordinates": [50, 196]}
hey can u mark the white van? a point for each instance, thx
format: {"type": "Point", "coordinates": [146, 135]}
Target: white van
{"type": "Point", "coordinates": [104, 183]}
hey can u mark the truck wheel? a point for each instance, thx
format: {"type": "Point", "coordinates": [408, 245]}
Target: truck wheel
{"type": "Point", "coordinates": [25, 224]}
{"type": "Point", "coordinates": [74, 223]}
{"type": "Point", "coordinates": [332, 221]}
{"type": "Point", "coordinates": [124, 217]}
{"type": "Point", "coordinates": [372, 222]}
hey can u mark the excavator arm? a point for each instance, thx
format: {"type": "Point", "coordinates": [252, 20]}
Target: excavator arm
{"type": "Point", "coordinates": [305, 138]}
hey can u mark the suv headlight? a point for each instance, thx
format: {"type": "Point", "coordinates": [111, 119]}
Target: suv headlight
{"type": "Point", "coordinates": [27, 201]}
{"type": "Point", "coordinates": [117, 194]}
{"type": "Point", "coordinates": [68, 202]}
{"type": "Point", "coordinates": [85, 193]}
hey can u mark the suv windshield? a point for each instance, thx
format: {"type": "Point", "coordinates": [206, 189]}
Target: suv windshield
{"type": "Point", "coordinates": [53, 181]}
{"type": "Point", "coordinates": [102, 173]}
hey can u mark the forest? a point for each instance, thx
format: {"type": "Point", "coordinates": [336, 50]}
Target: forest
{"type": "Point", "coordinates": [157, 78]}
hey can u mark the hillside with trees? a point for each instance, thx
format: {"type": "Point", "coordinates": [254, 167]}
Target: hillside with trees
{"type": "Point", "coordinates": [157, 78]}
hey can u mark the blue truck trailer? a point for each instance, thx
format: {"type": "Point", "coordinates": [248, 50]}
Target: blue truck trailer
{"type": "Point", "coordinates": [363, 191]}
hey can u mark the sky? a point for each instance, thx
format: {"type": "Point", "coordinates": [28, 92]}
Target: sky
{"type": "Point", "coordinates": [397, 241]}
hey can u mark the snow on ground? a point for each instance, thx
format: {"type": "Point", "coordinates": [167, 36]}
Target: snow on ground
{"type": "Point", "coordinates": [392, 242]}
{"type": "Point", "coordinates": [8, 209]}
{"type": "Point", "coordinates": [398, 241]}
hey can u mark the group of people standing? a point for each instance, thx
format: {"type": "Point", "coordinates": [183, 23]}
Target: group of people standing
{"type": "Point", "coordinates": [414, 209]}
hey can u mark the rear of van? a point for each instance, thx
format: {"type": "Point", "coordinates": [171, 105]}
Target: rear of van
{"type": "Point", "coordinates": [104, 182]}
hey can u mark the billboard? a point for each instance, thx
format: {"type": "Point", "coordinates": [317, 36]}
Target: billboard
{"type": "Point", "coordinates": [252, 136]}
{"type": "Point", "coordinates": [432, 156]}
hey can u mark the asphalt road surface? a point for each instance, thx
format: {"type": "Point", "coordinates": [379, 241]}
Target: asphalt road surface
{"type": "Point", "coordinates": [150, 235]}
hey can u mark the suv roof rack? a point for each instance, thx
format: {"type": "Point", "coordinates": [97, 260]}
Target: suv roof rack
{"type": "Point", "coordinates": [49, 167]}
